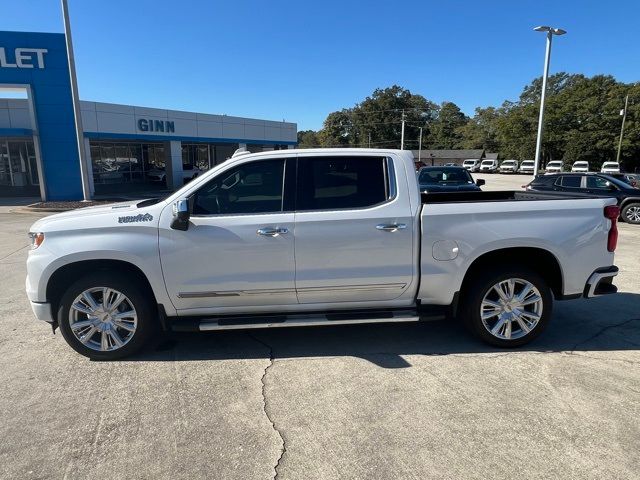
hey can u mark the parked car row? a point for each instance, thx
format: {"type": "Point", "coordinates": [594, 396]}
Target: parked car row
{"type": "Point", "coordinates": [527, 166]}
{"type": "Point", "coordinates": [595, 184]}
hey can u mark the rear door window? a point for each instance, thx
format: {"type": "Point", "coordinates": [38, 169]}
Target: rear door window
{"type": "Point", "coordinates": [331, 183]}
{"type": "Point", "coordinates": [570, 181]}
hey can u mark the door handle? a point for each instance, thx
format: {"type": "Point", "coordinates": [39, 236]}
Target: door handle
{"type": "Point", "coordinates": [272, 232]}
{"type": "Point", "coordinates": [391, 227]}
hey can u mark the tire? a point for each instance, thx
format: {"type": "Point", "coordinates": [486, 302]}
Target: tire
{"type": "Point", "coordinates": [512, 315]}
{"type": "Point", "coordinates": [111, 325]}
{"type": "Point", "coordinates": [631, 213]}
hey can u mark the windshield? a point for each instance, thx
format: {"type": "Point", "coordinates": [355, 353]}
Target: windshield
{"type": "Point", "coordinates": [487, 162]}
{"type": "Point", "coordinates": [554, 164]}
{"type": "Point", "coordinates": [610, 164]}
{"type": "Point", "coordinates": [509, 162]}
{"type": "Point", "coordinates": [444, 176]}
{"type": "Point", "coordinates": [469, 162]}
{"type": "Point", "coordinates": [580, 164]}
{"type": "Point", "coordinates": [527, 163]}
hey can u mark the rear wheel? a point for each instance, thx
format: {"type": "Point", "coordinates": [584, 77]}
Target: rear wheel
{"type": "Point", "coordinates": [508, 308]}
{"type": "Point", "coordinates": [631, 213]}
{"type": "Point", "coordinates": [105, 316]}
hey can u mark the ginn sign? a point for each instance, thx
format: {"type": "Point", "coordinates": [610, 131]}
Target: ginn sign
{"type": "Point", "coordinates": [23, 58]}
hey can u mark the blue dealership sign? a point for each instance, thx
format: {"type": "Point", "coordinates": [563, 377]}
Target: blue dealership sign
{"type": "Point", "coordinates": [39, 60]}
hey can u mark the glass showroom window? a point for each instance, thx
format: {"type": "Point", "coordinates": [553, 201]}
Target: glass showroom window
{"type": "Point", "coordinates": [115, 163]}
{"type": "Point", "coordinates": [18, 166]}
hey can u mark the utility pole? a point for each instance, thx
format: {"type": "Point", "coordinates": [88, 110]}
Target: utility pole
{"type": "Point", "coordinates": [402, 137]}
{"type": "Point", "coordinates": [420, 147]}
{"type": "Point", "coordinates": [84, 173]}
{"type": "Point", "coordinates": [369, 139]}
{"type": "Point", "coordinates": [624, 117]}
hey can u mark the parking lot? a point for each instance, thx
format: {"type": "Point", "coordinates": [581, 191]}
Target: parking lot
{"type": "Point", "coordinates": [368, 401]}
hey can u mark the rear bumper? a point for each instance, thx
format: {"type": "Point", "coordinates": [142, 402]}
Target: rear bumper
{"type": "Point", "coordinates": [42, 311]}
{"type": "Point", "coordinates": [601, 282]}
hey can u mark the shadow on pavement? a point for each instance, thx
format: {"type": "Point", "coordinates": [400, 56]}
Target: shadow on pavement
{"type": "Point", "coordinates": [601, 324]}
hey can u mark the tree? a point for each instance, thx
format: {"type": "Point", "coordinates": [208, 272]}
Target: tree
{"type": "Point", "coordinates": [481, 130]}
{"type": "Point", "coordinates": [379, 117]}
{"type": "Point", "coordinates": [447, 129]}
{"type": "Point", "coordinates": [337, 129]}
{"type": "Point", "coordinates": [308, 139]}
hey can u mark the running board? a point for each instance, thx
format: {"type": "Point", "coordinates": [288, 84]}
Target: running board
{"type": "Point", "coordinates": [241, 322]}
{"type": "Point", "coordinates": [307, 320]}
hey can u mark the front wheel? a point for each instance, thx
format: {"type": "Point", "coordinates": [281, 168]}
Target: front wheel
{"type": "Point", "coordinates": [631, 213]}
{"type": "Point", "coordinates": [508, 308]}
{"type": "Point", "coordinates": [105, 316]}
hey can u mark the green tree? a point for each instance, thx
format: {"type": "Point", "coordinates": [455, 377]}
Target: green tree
{"type": "Point", "coordinates": [447, 130]}
{"type": "Point", "coordinates": [481, 130]}
{"type": "Point", "coordinates": [379, 117]}
{"type": "Point", "coordinates": [308, 139]}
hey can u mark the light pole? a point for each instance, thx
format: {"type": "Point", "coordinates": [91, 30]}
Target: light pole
{"type": "Point", "coordinates": [550, 33]}
{"type": "Point", "coordinates": [84, 174]}
{"type": "Point", "coordinates": [420, 147]}
{"type": "Point", "coordinates": [402, 137]}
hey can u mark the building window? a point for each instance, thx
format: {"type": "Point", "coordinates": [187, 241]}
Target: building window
{"type": "Point", "coordinates": [125, 162]}
{"type": "Point", "coordinates": [18, 167]}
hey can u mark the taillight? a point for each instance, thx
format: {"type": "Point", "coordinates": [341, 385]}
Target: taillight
{"type": "Point", "coordinates": [612, 212]}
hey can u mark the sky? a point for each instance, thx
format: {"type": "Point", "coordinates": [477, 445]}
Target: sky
{"type": "Point", "coordinates": [299, 61]}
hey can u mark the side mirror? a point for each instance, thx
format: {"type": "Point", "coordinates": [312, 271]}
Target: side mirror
{"type": "Point", "coordinates": [181, 215]}
{"type": "Point", "coordinates": [480, 182]}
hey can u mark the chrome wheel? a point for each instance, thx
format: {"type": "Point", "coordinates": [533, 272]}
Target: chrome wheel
{"type": "Point", "coordinates": [633, 214]}
{"type": "Point", "coordinates": [511, 308]}
{"type": "Point", "coordinates": [103, 319]}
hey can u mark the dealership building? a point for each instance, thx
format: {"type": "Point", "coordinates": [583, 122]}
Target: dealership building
{"type": "Point", "coordinates": [128, 148]}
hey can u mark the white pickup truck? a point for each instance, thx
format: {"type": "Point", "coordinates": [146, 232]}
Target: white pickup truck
{"type": "Point", "coordinates": [316, 237]}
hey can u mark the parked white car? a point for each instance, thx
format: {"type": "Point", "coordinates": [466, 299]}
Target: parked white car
{"type": "Point", "coordinates": [527, 166]}
{"type": "Point", "coordinates": [509, 166]}
{"type": "Point", "coordinates": [316, 237]}
{"type": "Point", "coordinates": [610, 167]}
{"type": "Point", "coordinates": [189, 172]}
{"type": "Point", "coordinates": [471, 164]}
{"type": "Point", "coordinates": [554, 166]}
{"type": "Point", "coordinates": [580, 167]}
{"type": "Point", "coordinates": [489, 166]}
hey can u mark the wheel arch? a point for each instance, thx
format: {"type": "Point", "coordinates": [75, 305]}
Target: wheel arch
{"type": "Point", "coordinates": [629, 200]}
{"type": "Point", "coordinates": [537, 259]}
{"type": "Point", "coordinates": [59, 280]}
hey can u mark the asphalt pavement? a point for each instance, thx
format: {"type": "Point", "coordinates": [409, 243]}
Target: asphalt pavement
{"type": "Point", "coordinates": [414, 401]}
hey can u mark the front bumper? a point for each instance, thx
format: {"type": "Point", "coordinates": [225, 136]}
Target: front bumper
{"type": "Point", "coordinates": [42, 311]}
{"type": "Point", "coordinates": [601, 282]}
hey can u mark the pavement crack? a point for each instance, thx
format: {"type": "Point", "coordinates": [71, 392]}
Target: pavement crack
{"type": "Point", "coordinates": [265, 404]}
{"type": "Point", "coordinates": [601, 332]}
{"type": "Point", "coordinates": [14, 252]}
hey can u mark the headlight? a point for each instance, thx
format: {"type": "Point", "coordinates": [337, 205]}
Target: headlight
{"type": "Point", "coordinates": [36, 239]}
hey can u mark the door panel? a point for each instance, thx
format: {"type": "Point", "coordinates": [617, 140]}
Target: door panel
{"type": "Point", "coordinates": [347, 255]}
{"type": "Point", "coordinates": [239, 247]}
{"type": "Point", "coordinates": [222, 261]}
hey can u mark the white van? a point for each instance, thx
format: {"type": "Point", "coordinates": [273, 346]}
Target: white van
{"type": "Point", "coordinates": [610, 167]}
{"type": "Point", "coordinates": [580, 166]}
{"type": "Point", "coordinates": [509, 166]}
{"type": "Point", "coordinates": [471, 164]}
{"type": "Point", "coordinates": [554, 166]}
{"type": "Point", "coordinates": [489, 166]}
{"type": "Point", "coordinates": [527, 166]}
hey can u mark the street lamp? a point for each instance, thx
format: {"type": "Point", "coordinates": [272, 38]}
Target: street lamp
{"type": "Point", "coordinates": [550, 33]}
